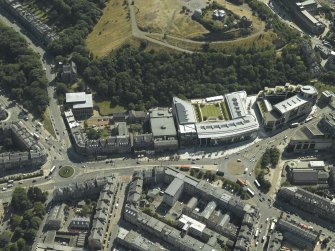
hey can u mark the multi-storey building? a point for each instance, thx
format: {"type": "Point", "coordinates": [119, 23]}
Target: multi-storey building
{"type": "Point", "coordinates": [163, 129]}
{"type": "Point", "coordinates": [318, 135]}
{"type": "Point", "coordinates": [303, 12]}
{"type": "Point", "coordinates": [283, 104]}
{"type": "Point", "coordinates": [80, 103]}
{"type": "Point", "coordinates": [308, 202]}
{"type": "Point", "coordinates": [32, 153]}
{"type": "Point", "coordinates": [38, 28]}
{"type": "Point", "coordinates": [232, 122]}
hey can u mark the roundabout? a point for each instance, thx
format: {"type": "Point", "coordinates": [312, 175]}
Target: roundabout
{"type": "Point", "coordinates": [66, 171]}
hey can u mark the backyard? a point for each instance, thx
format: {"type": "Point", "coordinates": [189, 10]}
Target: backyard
{"type": "Point", "coordinates": [106, 108]}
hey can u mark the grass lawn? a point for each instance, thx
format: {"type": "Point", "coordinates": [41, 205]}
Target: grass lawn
{"type": "Point", "coordinates": [210, 111]}
{"type": "Point", "coordinates": [197, 112]}
{"type": "Point", "coordinates": [106, 109]}
{"type": "Point", "coordinates": [47, 123]}
{"type": "Point", "coordinates": [225, 111]}
{"type": "Point", "coordinates": [165, 16]}
{"type": "Point", "coordinates": [112, 30]}
{"type": "Point", "coordinates": [323, 87]}
{"type": "Point", "coordinates": [104, 133]}
{"type": "Point", "coordinates": [66, 171]}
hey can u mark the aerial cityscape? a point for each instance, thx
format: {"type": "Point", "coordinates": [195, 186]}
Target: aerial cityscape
{"type": "Point", "coordinates": [167, 125]}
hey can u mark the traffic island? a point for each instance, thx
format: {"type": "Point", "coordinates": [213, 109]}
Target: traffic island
{"type": "Point", "coordinates": [66, 171]}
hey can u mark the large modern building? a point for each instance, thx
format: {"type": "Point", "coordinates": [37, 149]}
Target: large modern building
{"type": "Point", "coordinates": [283, 104]}
{"type": "Point", "coordinates": [318, 135]}
{"type": "Point", "coordinates": [303, 13]}
{"type": "Point", "coordinates": [215, 120]}
{"type": "Point", "coordinates": [80, 103]}
{"type": "Point", "coordinates": [163, 129]}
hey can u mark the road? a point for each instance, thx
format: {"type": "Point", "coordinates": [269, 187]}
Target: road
{"type": "Point", "coordinates": [61, 152]}
{"type": "Point", "coordinates": [136, 32]}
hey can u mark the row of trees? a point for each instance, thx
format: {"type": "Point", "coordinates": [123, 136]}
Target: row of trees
{"type": "Point", "coordinates": [140, 80]}
{"type": "Point", "coordinates": [28, 212]}
{"type": "Point", "coordinates": [21, 73]}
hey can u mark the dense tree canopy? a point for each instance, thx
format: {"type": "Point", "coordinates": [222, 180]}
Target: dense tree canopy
{"type": "Point", "coordinates": [21, 72]}
{"type": "Point", "coordinates": [78, 18]}
{"type": "Point", "coordinates": [29, 209]}
{"type": "Point", "coordinates": [141, 79]}
{"type": "Point", "coordinates": [270, 157]}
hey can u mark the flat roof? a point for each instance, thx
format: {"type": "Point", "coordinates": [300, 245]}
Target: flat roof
{"type": "Point", "coordinates": [290, 104]}
{"type": "Point", "coordinates": [215, 98]}
{"type": "Point", "coordinates": [227, 129]}
{"type": "Point", "coordinates": [189, 128]}
{"type": "Point", "coordinates": [308, 132]}
{"type": "Point", "coordinates": [236, 104]}
{"type": "Point", "coordinates": [310, 17]}
{"type": "Point", "coordinates": [184, 111]}
{"type": "Point", "coordinates": [174, 186]}
{"type": "Point", "coordinates": [74, 97]}
{"type": "Point", "coordinates": [316, 163]}
{"type": "Point", "coordinates": [88, 103]}
{"type": "Point", "coordinates": [190, 222]}
{"type": "Point", "coordinates": [162, 123]}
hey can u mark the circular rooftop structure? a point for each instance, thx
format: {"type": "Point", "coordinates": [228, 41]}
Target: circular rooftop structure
{"type": "Point", "coordinates": [309, 90]}
{"type": "Point", "coordinates": [3, 113]}
{"type": "Point", "coordinates": [292, 164]}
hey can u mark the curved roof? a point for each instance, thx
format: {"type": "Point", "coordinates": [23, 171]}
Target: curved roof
{"type": "Point", "coordinates": [184, 111]}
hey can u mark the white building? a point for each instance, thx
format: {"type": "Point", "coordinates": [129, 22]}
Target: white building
{"type": "Point", "coordinates": [80, 103]}
{"type": "Point", "coordinates": [241, 124]}
{"type": "Point", "coordinates": [283, 104]}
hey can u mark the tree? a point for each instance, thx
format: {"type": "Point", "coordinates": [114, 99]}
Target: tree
{"type": "Point", "coordinates": [35, 222]}
{"type": "Point", "coordinates": [20, 201]}
{"type": "Point", "coordinates": [35, 194]}
{"type": "Point", "coordinates": [39, 209]}
{"type": "Point", "coordinates": [13, 247]}
{"type": "Point", "coordinates": [5, 238]}
{"type": "Point", "coordinates": [92, 134]}
{"type": "Point", "coordinates": [29, 235]}
{"type": "Point", "coordinates": [15, 220]}
{"type": "Point", "coordinates": [265, 184]}
{"type": "Point", "coordinates": [21, 243]}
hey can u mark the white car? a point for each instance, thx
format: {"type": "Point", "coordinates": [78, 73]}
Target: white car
{"type": "Point", "coordinates": [4, 189]}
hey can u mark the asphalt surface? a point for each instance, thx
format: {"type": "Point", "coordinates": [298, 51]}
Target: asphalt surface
{"type": "Point", "coordinates": [61, 153]}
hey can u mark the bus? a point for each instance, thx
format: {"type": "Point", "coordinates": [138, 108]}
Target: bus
{"type": "Point", "coordinates": [184, 167]}
{"type": "Point", "coordinates": [241, 182]}
{"type": "Point", "coordinates": [294, 125]}
{"type": "Point", "coordinates": [308, 119]}
{"type": "Point", "coordinates": [272, 226]}
{"type": "Point", "coordinates": [256, 233]}
{"type": "Point", "coordinates": [257, 183]}
{"type": "Point", "coordinates": [252, 193]}
{"type": "Point", "coordinates": [36, 136]}
{"type": "Point", "coordinates": [52, 169]}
